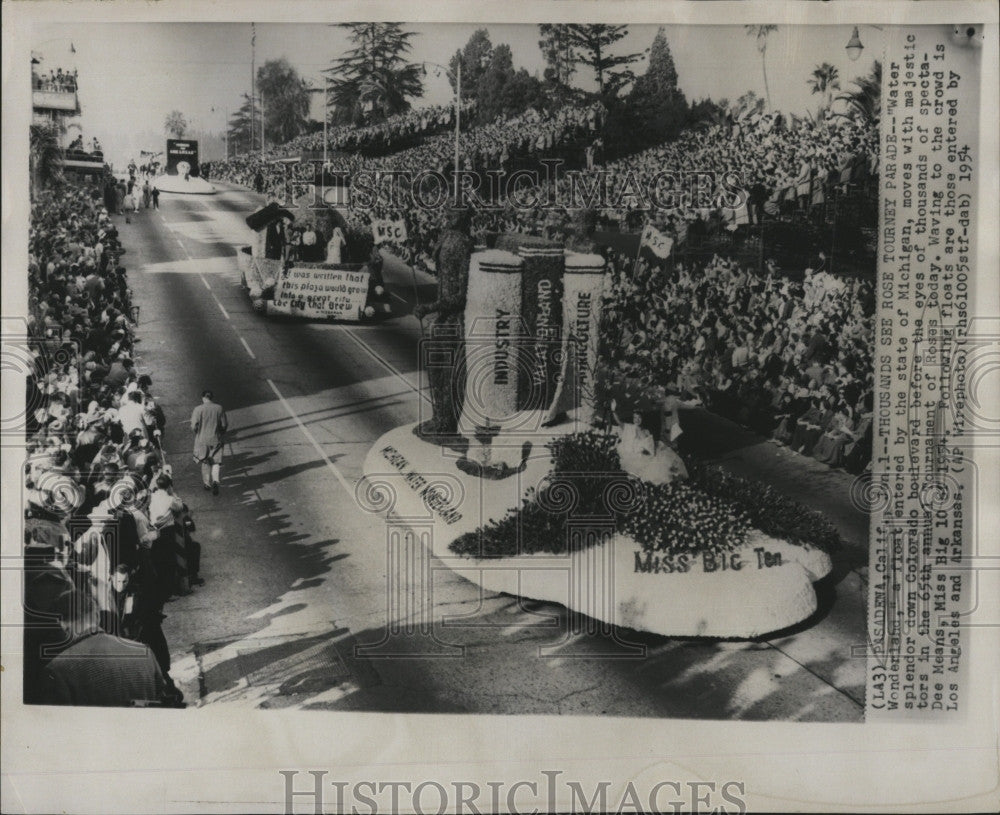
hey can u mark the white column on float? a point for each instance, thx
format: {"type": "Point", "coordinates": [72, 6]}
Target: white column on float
{"type": "Point", "coordinates": [583, 289]}
{"type": "Point", "coordinates": [493, 329]}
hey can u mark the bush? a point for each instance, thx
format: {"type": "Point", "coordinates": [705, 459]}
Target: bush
{"type": "Point", "coordinates": [585, 465]}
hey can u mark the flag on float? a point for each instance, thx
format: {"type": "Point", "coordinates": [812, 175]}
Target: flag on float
{"type": "Point", "coordinates": [657, 243]}
{"type": "Point", "coordinates": [387, 230]}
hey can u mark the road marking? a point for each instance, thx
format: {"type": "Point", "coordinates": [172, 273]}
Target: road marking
{"type": "Point", "coordinates": [249, 351]}
{"type": "Point", "coordinates": [312, 439]}
{"type": "Point", "coordinates": [383, 362]}
{"type": "Point", "coordinates": [222, 308]}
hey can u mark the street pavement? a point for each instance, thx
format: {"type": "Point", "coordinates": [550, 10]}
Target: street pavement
{"type": "Point", "coordinates": [304, 608]}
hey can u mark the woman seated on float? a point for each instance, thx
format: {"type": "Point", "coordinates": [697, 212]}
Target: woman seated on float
{"type": "Point", "coordinates": [643, 455]}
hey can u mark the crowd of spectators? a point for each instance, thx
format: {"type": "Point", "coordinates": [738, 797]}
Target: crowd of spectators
{"type": "Point", "coordinates": [777, 166]}
{"type": "Point", "coordinates": [57, 80]}
{"type": "Point", "coordinates": [108, 541]}
{"type": "Point", "coordinates": [399, 127]}
{"type": "Point", "coordinates": [529, 136]}
{"type": "Point", "coordinates": [791, 361]}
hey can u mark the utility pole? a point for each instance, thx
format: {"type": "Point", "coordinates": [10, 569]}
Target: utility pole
{"type": "Point", "coordinates": [253, 77]}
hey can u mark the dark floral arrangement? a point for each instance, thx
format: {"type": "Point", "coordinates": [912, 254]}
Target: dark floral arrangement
{"type": "Point", "coordinates": [712, 512]}
{"type": "Point", "coordinates": [765, 508]}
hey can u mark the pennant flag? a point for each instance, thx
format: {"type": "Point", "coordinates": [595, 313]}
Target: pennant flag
{"type": "Point", "coordinates": [657, 243]}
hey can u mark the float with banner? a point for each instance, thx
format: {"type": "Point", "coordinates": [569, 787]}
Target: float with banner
{"type": "Point", "coordinates": [182, 173]}
{"type": "Point", "coordinates": [353, 292]}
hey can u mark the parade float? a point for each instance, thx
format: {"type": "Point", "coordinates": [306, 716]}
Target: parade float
{"type": "Point", "coordinates": [182, 174]}
{"type": "Point", "coordinates": [519, 482]}
{"type": "Point", "coordinates": [307, 286]}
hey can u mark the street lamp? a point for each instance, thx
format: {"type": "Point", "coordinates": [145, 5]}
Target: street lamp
{"type": "Point", "coordinates": [854, 46]}
{"type": "Point", "coordinates": [457, 77]}
{"type": "Point", "coordinates": [325, 90]}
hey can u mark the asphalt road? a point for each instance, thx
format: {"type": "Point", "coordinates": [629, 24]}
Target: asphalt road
{"type": "Point", "coordinates": [295, 611]}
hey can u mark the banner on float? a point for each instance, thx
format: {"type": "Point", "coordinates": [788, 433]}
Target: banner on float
{"type": "Point", "coordinates": [182, 157]}
{"type": "Point", "coordinates": [320, 292]}
{"type": "Point", "coordinates": [386, 231]}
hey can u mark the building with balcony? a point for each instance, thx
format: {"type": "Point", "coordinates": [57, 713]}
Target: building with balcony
{"type": "Point", "coordinates": [55, 103]}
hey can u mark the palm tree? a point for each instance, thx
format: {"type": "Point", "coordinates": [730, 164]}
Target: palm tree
{"type": "Point", "coordinates": [761, 33]}
{"type": "Point", "coordinates": [824, 80]}
{"type": "Point", "coordinates": [175, 124]}
{"type": "Point", "coordinates": [866, 99]}
{"type": "Point", "coordinates": [45, 154]}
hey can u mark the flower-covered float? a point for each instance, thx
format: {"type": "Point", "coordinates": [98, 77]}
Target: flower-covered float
{"type": "Point", "coordinates": [526, 496]}
{"type": "Point", "coordinates": [307, 286]}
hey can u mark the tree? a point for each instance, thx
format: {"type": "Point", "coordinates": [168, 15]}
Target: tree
{"type": "Point", "coordinates": [761, 33]}
{"type": "Point", "coordinates": [241, 129]}
{"type": "Point", "coordinates": [866, 99]}
{"type": "Point", "coordinates": [591, 46]}
{"type": "Point", "coordinates": [490, 90]}
{"type": "Point", "coordinates": [824, 80]}
{"type": "Point", "coordinates": [45, 155]}
{"type": "Point", "coordinates": [660, 104]}
{"type": "Point", "coordinates": [373, 80]}
{"type": "Point", "coordinates": [557, 49]}
{"type": "Point", "coordinates": [475, 60]}
{"type": "Point", "coordinates": [285, 98]}
{"type": "Point", "coordinates": [747, 104]}
{"type": "Point", "coordinates": [175, 124]}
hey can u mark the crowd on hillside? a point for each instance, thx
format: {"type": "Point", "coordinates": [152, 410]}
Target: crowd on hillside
{"type": "Point", "coordinates": [776, 165]}
{"type": "Point", "coordinates": [108, 540]}
{"type": "Point", "coordinates": [349, 138]}
{"type": "Point", "coordinates": [791, 361]}
{"type": "Point", "coordinates": [493, 146]}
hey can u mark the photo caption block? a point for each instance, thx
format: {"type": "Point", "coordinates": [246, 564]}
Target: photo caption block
{"type": "Point", "coordinates": [922, 481]}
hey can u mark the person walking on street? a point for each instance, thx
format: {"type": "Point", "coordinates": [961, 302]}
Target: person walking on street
{"type": "Point", "coordinates": [155, 196]}
{"type": "Point", "coordinates": [209, 424]}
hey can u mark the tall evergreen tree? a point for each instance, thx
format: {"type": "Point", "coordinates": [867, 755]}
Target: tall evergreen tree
{"type": "Point", "coordinates": [475, 60]}
{"type": "Point", "coordinates": [557, 49]}
{"type": "Point", "coordinates": [592, 46]}
{"type": "Point", "coordinates": [240, 128]}
{"type": "Point", "coordinates": [373, 80]}
{"type": "Point", "coordinates": [285, 98]}
{"type": "Point", "coordinates": [657, 102]}
{"type": "Point", "coordinates": [660, 79]}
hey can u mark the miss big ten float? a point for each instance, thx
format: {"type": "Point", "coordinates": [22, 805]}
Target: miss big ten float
{"type": "Point", "coordinates": [526, 494]}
